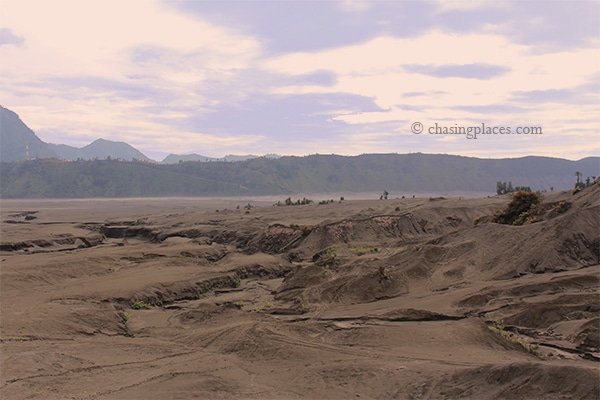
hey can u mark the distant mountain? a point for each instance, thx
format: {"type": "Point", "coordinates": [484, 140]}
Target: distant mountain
{"type": "Point", "coordinates": [102, 148]}
{"type": "Point", "coordinates": [399, 174]}
{"type": "Point", "coordinates": [17, 141]}
{"type": "Point", "coordinates": [177, 158]}
{"type": "Point", "coordinates": [66, 152]}
{"type": "Point", "coordinates": [99, 149]}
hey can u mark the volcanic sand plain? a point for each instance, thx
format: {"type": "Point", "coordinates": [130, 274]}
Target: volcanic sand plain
{"type": "Point", "coordinates": [416, 298]}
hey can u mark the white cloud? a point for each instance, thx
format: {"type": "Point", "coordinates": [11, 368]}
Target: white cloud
{"type": "Point", "coordinates": [94, 48]}
{"type": "Point", "coordinates": [374, 69]}
{"type": "Point", "coordinates": [93, 36]}
{"type": "Point", "coordinates": [141, 71]}
{"type": "Point", "coordinates": [468, 5]}
{"type": "Point", "coordinates": [354, 5]}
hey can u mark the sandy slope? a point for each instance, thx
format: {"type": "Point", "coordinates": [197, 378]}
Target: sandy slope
{"type": "Point", "coordinates": [356, 299]}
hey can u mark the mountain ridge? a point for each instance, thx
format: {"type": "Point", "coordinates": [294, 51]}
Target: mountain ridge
{"type": "Point", "coordinates": [116, 169]}
{"type": "Point", "coordinates": [19, 142]}
{"type": "Point", "coordinates": [399, 174]}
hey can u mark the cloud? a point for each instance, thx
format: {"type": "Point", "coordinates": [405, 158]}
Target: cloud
{"type": "Point", "coordinates": [354, 5]}
{"type": "Point", "coordinates": [8, 37]}
{"type": "Point", "coordinates": [468, 5]}
{"type": "Point", "coordinates": [302, 77]}
{"type": "Point", "coordinates": [97, 37]}
{"type": "Point", "coordinates": [467, 71]}
{"type": "Point", "coordinates": [491, 109]}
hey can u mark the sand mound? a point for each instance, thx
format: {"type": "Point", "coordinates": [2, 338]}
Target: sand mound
{"type": "Point", "coordinates": [521, 381]}
{"type": "Point", "coordinates": [405, 298]}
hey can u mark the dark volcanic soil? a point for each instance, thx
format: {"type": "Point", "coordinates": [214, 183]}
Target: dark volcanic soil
{"type": "Point", "coordinates": [405, 298]}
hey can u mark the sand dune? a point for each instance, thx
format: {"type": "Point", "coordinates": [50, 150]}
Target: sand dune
{"type": "Point", "coordinates": [405, 298]}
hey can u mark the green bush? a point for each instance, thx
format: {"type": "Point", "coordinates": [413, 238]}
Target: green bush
{"type": "Point", "coordinates": [139, 305]}
{"type": "Point", "coordinates": [520, 210]}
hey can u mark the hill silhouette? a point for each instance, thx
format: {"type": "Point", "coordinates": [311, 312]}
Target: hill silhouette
{"type": "Point", "coordinates": [18, 141]}
{"type": "Point", "coordinates": [101, 172]}
{"type": "Point", "coordinates": [100, 148]}
{"type": "Point", "coordinates": [400, 174]}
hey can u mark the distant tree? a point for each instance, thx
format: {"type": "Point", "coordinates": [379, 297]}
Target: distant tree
{"type": "Point", "coordinates": [384, 195]}
{"type": "Point", "coordinates": [519, 188]}
{"type": "Point", "coordinates": [579, 183]}
{"type": "Point", "coordinates": [500, 188]}
{"type": "Point", "coordinates": [504, 188]}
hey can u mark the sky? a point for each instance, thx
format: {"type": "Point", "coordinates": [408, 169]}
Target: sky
{"type": "Point", "coordinates": [307, 77]}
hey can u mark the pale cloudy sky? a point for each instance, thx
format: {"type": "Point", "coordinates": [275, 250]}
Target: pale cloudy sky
{"type": "Point", "coordinates": [305, 77]}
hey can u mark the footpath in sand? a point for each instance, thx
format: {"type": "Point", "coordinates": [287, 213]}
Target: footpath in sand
{"type": "Point", "coordinates": [221, 299]}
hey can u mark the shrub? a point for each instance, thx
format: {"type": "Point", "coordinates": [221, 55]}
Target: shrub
{"type": "Point", "coordinates": [140, 305]}
{"type": "Point", "coordinates": [306, 230]}
{"type": "Point", "coordinates": [362, 250]}
{"type": "Point", "coordinates": [289, 202]}
{"type": "Point", "coordinates": [520, 210]}
{"type": "Point", "coordinates": [499, 328]}
{"type": "Point", "coordinates": [239, 304]}
{"type": "Point", "coordinates": [126, 317]}
{"type": "Point", "coordinates": [562, 206]}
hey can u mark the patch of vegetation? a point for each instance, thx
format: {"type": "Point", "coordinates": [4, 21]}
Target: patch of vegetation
{"type": "Point", "coordinates": [290, 202]}
{"type": "Point", "coordinates": [562, 206]}
{"type": "Point", "coordinates": [322, 202]}
{"type": "Point", "coordinates": [504, 188]}
{"type": "Point", "coordinates": [126, 317]}
{"type": "Point", "coordinates": [384, 195]}
{"type": "Point", "coordinates": [522, 209]}
{"type": "Point", "coordinates": [327, 258]}
{"type": "Point", "coordinates": [364, 250]}
{"type": "Point", "coordinates": [305, 307]}
{"type": "Point", "coordinates": [580, 184]}
{"type": "Point", "coordinates": [140, 305]}
{"type": "Point", "coordinates": [267, 306]}
{"type": "Point", "coordinates": [239, 304]}
{"type": "Point", "coordinates": [499, 328]}
{"type": "Point", "coordinates": [304, 229]}
{"type": "Point", "coordinates": [207, 287]}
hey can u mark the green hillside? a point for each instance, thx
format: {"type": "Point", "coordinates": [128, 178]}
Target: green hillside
{"type": "Point", "coordinates": [400, 173]}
